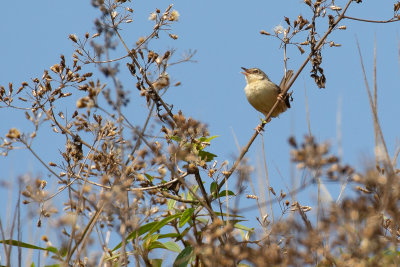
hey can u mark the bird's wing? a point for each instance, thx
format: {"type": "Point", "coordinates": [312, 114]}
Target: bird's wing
{"type": "Point", "coordinates": [286, 79]}
{"type": "Point", "coordinates": [282, 86]}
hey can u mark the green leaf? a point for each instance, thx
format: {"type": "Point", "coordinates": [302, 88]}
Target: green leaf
{"type": "Point", "coordinates": [207, 139]}
{"type": "Point", "coordinates": [242, 227]}
{"type": "Point", "coordinates": [26, 245]}
{"type": "Point", "coordinates": [149, 177]}
{"type": "Point", "coordinates": [207, 156]}
{"type": "Point", "coordinates": [156, 244]}
{"type": "Point", "coordinates": [224, 193]}
{"type": "Point", "coordinates": [143, 229]}
{"type": "Point", "coordinates": [163, 222]}
{"type": "Point", "coordinates": [182, 260]}
{"type": "Point", "coordinates": [175, 138]}
{"type": "Point", "coordinates": [149, 241]}
{"type": "Point", "coordinates": [171, 204]}
{"type": "Point", "coordinates": [213, 187]}
{"type": "Point", "coordinates": [189, 194]}
{"type": "Point", "coordinates": [186, 215]}
{"type": "Point", "coordinates": [170, 235]}
{"type": "Point", "coordinates": [202, 220]}
{"type": "Point", "coordinates": [172, 246]}
{"type": "Point", "coordinates": [156, 262]}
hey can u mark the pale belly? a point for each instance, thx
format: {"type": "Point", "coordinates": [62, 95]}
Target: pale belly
{"type": "Point", "coordinates": [263, 99]}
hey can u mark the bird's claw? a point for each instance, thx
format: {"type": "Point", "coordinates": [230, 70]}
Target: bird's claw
{"type": "Point", "coordinates": [259, 129]}
{"type": "Point", "coordinates": [281, 97]}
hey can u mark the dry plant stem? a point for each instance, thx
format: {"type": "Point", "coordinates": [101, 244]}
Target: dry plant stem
{"type": "Point", "coordinates": [81, 194]}
{"type": "Point", "coordinates": [321, 42]}
{"type": "Point", "coordinates": [52, 117]}
{"type": "Point", "coordinates": [267, 179]}
{"type": "Point", "coordinates": [203, 202]}
{"type": "Point", "coordinates": [307, 110]}
{"type": "Point", "coordinates": [202, 189]}
{"type": "Point", "coordinates": [40, 160]}
{"type": "Point", "coordinates": [168, 195]}
{"type": "Point", "coordinates": [152, 35]}
{"type": "Point", "coordinates": [388, 165]}
{"type": "Point", "coordinates": [7, 251]}
{"type": "Point", "coordinates": [275, 200]}
{"type": "Point", "coordinates": [376, 136]}
{"type": "Point", "coordinates": [304, 217]}
{"type": "Point", "coordinates": [257, 199]}
{"type": "Point", "coordinates": [153, 90]}
{"type": "Point", "coordinates": [227, 201]}
{"type": "Point", "coordinates": [372, 21]}
{"type": "Point", "coordinates": [86, 232]}
{"type": "Point", "coordinates": [141, 134]}
{"type": "Point", "coordinates": [80, 170]}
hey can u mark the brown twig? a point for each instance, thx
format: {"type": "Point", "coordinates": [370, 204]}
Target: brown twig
{"type": "Point", "coordinates": [373, 21]}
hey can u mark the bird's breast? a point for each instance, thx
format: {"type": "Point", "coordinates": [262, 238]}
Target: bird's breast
{"type": "Point", "coordinates": [262, 95]}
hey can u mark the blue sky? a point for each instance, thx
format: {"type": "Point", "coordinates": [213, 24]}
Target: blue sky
{"type": "Point", "coordinates": [226, 37]}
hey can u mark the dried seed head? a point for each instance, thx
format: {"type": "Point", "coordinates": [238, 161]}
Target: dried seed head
{"type": "Point", "coordinates": [174, 16]}
{"type": "Point", "coordinates": [264, 32]}
{"type": "Point", "coordinates": [55, 68]}
{"type": "Point", "coordinates": [173, 36]}
{"type": "Point", "coordinates": [139, 42]}
{"type": "Point", "coordinates": [335, 8]}
{"type": "Point", "coordinates": [73, 38]}
{"type": "Point", "coordinates": [13, 133]}
{"type": "Point", "coordinates": [162, 81]}
{"type": "Point", "coordinates": [279, 29]}
{"type": "Point", "coordinates": [300, 49]}
{"type": "Point", "coordinates": [153, 16]}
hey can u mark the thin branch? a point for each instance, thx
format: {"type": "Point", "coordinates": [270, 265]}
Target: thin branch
{"type": "Point", "coordinates": [373, 21]}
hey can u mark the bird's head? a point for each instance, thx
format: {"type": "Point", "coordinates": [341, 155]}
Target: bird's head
{"type": "Point", "coordinates": [254, 74]}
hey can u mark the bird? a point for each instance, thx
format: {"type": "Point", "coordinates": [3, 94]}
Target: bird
{"type": "Point", "coordinates": [262, 93]}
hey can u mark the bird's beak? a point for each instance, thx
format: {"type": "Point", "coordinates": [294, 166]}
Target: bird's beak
{"type": "Point", "coordinates": [246, 71]}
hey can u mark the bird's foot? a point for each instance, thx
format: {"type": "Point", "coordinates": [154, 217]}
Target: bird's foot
{"type": "Point", "coordinates": [281, 97]}
{"type": "Point", "coordinates": [259, 129]}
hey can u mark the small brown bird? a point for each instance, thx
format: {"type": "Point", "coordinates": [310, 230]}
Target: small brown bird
{"type": "Point", "coordinates": [262, 93]}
